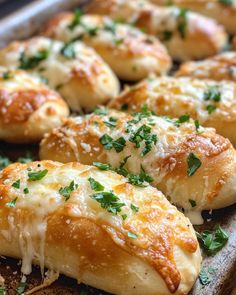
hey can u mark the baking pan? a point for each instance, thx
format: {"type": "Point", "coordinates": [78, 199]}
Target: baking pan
{"type": "Point", "coordinates": [25, 23]}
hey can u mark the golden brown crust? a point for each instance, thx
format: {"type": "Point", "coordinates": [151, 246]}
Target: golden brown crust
{"type": "Point", "coordinates": [101, 245]}
{"type": "Point", "coordinates": [224, 13]}
{"type": "Point", "coordinates": [28, 108]}
{"type": "Point", "coordinates": [79, 139]}
{"type": "Point", "coordinates": [118, 44]}
{"type": "Point", "coordinates": [220, 67]}
{"type": "Point", "coordinates": [160, 21]}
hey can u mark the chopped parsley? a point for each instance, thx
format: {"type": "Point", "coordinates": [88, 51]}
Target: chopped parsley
{"type": "Point", "coordinates": [16, 184]}
{"type": "Point", "coordinates": [109, 143]}
{"type": "Point", "coordinates": [38, 175]}
{"type": "Point", "coordinates": [132, 235]}
{"type": "Point", "coordinates": [21, 288]}
{"type": "Point", "coordinates": [204, 277]}
{"type": "Point", "coordinates": [210, 108]}
{"type": "Point", "coordinates": [4, 162]}
{"type": "Point", "coordinates": [182, 119]}
{"type": "Point", "coordinates": [68, 50]}
{"type": "Point", "coordinates": [7, 75]}
{"type": "Point", "coordinates": [194, 164]}
{"type": "Point", "coordinates": [2, 289]}
{"type": "Point", "coordinates": [95, 185]}
{"type": "Point", "coordinates": [26, 190]}
{"type": "Point", "coordinates": [102, 166]}
{"type": "Point", "coordinates": [111, 122]}
{"type": "Point", "coordinates": [30, 62]}
{"type": "Point", "coordinates": [212, 93]}
{"type": "Point", "coordinates": [143, 134]}
{"type": "Point", "coordinates": [76, 20]}
{"type": "Point", "coordinates": [197, 125]}
{"type": "Point", "coordinates": [213, 241]}
{"type": "Point", "coordinates": [192, 203]}
{"type": "Point", "coordinates": [134, 208]}
{"type": "Point", "coordinates": [108, 201]}
{"type": "Point", "coordinates": [182, 22]}
{"type": "Point", "coordinates": [101, 111]}
{"type": "Point", "coordinates": [110, 26]}
{"type": "Point", "coordinates": [67, 190]}
{"type": "Point", "coordinates": [12, 204]}
{"type": "Point", "coordinates": [139, 180]}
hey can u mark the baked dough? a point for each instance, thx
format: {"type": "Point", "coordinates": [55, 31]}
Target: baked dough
{"type": "Point", "coordinates": [28, 108]}
{"type": "Point", "coordinates": [130, 53]}
{"type": "Point", "coordinates": [165, 23]}
{"type": "Point", "coordinates": [174, 97]}
{"type": "Point", "coordinates": [219, 67]}
{"type": "Point", "coordinates": [148, 244]}
{"type": "Point", "coordinates": [160, 146]}
{"type": "Point", "coordinates": [225, 14]}
{"type": "Point", "coordinates": [82, 78]}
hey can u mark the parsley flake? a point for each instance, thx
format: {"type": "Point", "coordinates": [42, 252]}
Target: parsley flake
{"type": "Point", "coordinates": [108, 201]}
{"type": "Point", "coordinates": [67, 190]}
{"type": "Point", "coordinates": [132, 235]}
{"type": "Point", "coordinates": [192, 203]}
{"type": "Point", "coordinates": [68, 50]}
{"type": "Point", "coordinates": [4, 162]}
{"type": "Point", "coordinates": [102, 166]}
{"type": "Point", "coordinates": [101, 111]}
{"type": "Point", "coordinates": [38, 175]}
{"type": "Point", "coordinates": [7, 75]}
{"type": "Point", "coordinates": [76, 20]}
{"type": "Point", "coordinates": [16, 184]}
{"type": "Point", "coordinates": [194, 164]}
{"type": "Point", "coordinates": [213, 241]}
{"type": "Point", "coordinates": [12, 203]}
{"type": "Point", "coordinates": [182, 119]}
{"type": "Point", "coordinates": [182, 22]}
{"type": "Point", "coordinates": [95, 185]}
{"type": "Point", "coordinates": [26, 190]}
{"type": "Point", "coordinates": [21, 288]}
{"type": "Point", "coordinates": [30, 62]}
{"type": "Point", "coordinates": [134, 208]}
{"type": "Point", "coordinates": [204, 277]}
{"type": "Point", "coordinates": [111, 122]}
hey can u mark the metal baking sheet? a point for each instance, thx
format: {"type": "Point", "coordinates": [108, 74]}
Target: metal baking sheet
{"type": "Point", "coordinates": [25, 23]}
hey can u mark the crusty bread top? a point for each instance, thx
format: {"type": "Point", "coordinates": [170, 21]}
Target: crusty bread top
{"type": "Point", "coordinates": [150, 231]}
{"type": "Point", "coordinates": [22, 94]}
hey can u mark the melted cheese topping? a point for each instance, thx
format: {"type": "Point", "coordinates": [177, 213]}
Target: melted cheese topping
{"type": "Point", "coordinates": [219, 67]}
{"type": "Point", "coordinates": [56, 67]}
{"type": "Point", "coordinates": [158, 226]}
{"type": "Point", "coordinates": [196, 1]}
{"type": "Point", "coordinates": [166, 161]}
{"type": "Point", "coordinates": [178, 96]}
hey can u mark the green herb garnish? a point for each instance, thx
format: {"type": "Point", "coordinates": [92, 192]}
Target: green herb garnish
{"type": "Point", "coordinates": [76, 20]}
{"type": "Point", "coordinates": [182, 22]}
{"type": "Point", "coordinates": [38, 175]}
{"type": "Point", "coordinates": [132, 235]}
{"type": "Point", "coordinates": [30, 62]}
{"type": "Point", "coordinates": [192, 203]}
{"type": "Point", "coordinates": [226, 2]}
{"type": "Point", "coordinates": [102, 111]}
{"type": "Point", "coordinates": [12, 203]}
{"type": "Point", "coordinates": [213, 241]}
{"type": "Point", "coordinates": [134, 208]}
{"type": "Point", "coordinates": [111, 122]}
{"type": "Point", "coordinates": [182, 119]}
{"type": "Point", "coordinates": [26, 190]}
{"type": "Point", "coordinates": [194, 164]}
{"type": "Point", "coordinates": [67, 190]}
{"type": "Point", "coordinates": [102, 166]}
{"type": "Point", "coordinates": [21, 288]}
{"type": "Point", "coordinates": [68, 50]}
{"type": "Point", "coordinates": [4, 162]}
{"type": "Point", "coordinates": [95, 185]}
{"type": "Point", "coordinates": [7, 75]}
{"type": "Point", "coordinates": [16, 184]}
{"type": "Point", "coordinates": [108, 201]}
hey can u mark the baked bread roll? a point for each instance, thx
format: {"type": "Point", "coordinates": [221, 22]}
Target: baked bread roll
{"type": "Point", "coordinates": [222, 11]}
{"type": "Point", "coordinates": [93, 226]}
{"type": "Point", "coordinates": [219, 67]}
{"type": "Point", "coordinates": [130, 53]}
{"type": "Point", "coordinates": [28, 108]}
{"type": "Point", "coordinates": [82, 78]}
{"type": "Point", "coordinates": [167, 24]}
{"type": "Point", "coordinates": [212, 103]}
{"type": "Point", "coordinates": [194, 167]}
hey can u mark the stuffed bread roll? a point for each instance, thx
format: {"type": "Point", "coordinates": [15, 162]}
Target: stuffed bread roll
{"type": "Point", "coordinates": [194, 167]}
{"type": "Point", "coordinates": [73, 69]}
{"type": "Point", "coordinates": [219, 67]}
{"type": "Point", "coordinates": [130, 53]}
{"type": "Point", "coordinates": [179, 30]}
{"type": "Point", "coordinates": [28, 108]}
{"type": "Point", "coordinates": [222, 11]}
{"type": "Point", "coordinates": [93, 226]}
{"type": "Point", "coordinates": [212, 103]}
